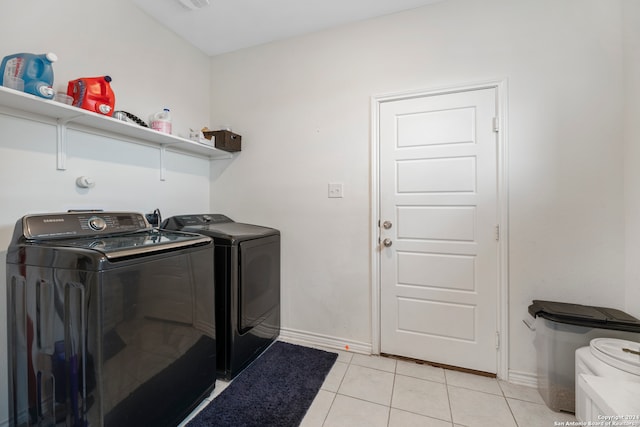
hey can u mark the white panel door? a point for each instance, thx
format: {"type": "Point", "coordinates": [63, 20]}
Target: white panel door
{"type": "Point", "coordinates": [438, 200]}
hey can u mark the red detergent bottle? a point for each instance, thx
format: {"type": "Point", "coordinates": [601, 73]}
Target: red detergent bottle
{"type": "Point", "coordinates": [34, 70]}
{"type": "Point", "coordinates": [93, 94]}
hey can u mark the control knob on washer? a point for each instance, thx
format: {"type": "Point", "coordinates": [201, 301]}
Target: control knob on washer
{"type": "Point", "coordinates": [97, 223]}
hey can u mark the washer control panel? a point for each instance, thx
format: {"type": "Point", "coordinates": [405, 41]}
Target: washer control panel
{"type": "Point", "coordinates": [197, 220]}
{"type": "Point", "coordinates": [97, 223]}
{"type": "Point", "coordinates": [78, 224]}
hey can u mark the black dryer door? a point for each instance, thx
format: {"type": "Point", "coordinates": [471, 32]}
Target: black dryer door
{"type": "Point", "coordinates": [258, 280]}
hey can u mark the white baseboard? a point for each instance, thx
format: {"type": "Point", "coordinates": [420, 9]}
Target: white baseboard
{"type": "Point", "coordinates": [523, 378]}
{"type": "Point", "coordinates": [318, 340]}
{"type": "Point", "coordinates": [311, 339]}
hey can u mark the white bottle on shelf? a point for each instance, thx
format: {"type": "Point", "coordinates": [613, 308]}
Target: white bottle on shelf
{"type": "Point", "coordinates": [161, 121]}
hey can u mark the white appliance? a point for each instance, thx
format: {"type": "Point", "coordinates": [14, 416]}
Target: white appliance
{"type": "Point", "coordinates": [608, 381]}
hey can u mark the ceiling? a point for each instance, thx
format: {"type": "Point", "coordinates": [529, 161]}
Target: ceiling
{"type": "Point", "coordinates": [228, 25]}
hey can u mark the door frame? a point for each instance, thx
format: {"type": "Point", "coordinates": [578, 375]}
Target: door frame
{"type": "Point", "coordinates": [502, 304]}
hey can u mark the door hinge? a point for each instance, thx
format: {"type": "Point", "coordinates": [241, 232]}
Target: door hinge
{"type": "Point", "coordinates": [497, 340]}
{"type": "Point", "coordinates": [496, 124]}
{"type": "Point", "coordinates": [497, 233]}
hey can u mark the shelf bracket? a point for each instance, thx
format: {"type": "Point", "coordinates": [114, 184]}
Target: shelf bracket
{"type": "Point", "coordinates": [163, 152]}
{"type": "Point", "coordinates": [61, 142]}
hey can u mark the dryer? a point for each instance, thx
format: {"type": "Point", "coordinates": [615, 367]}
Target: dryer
{"type": "Point", "coordinates": [109, 321]}
{"type": "Point", "coordinates": [247, 283]}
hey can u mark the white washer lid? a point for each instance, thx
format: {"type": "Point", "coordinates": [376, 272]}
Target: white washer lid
{"type": "Point", "coordinates": [620, 354]}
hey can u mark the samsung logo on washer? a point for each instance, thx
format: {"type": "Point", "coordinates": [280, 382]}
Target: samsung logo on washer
{"type": "Point", "coordinates": [53, 220]}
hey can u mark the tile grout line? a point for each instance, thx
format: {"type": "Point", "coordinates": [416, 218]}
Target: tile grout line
{"type": "Point", "coordinates": [393, 386]}
{"type": "Point", "coordinates": [335, 395]}
{"type": "Point", "coordinates": [446, 387]}
{"type": "Point", "coordinates": [515, 420]}
{"type": "Point", "coordinates": [324, 420]}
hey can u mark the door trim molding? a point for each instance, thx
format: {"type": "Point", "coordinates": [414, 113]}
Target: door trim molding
{"type": "Point", "coordinates": [502, 304]}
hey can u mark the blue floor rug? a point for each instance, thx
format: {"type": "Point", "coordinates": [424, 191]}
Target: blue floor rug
{"type": "Point", "coordinates": [275, 390]}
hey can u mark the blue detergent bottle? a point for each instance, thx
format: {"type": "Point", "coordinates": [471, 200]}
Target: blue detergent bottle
{"type": "Point", "coordinates": [35, 70]}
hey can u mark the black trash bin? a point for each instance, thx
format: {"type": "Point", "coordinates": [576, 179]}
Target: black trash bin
{"type": "Point", "coordinates": [561, 329]}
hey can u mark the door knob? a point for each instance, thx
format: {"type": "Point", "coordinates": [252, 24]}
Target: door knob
{"type": "Point", "coordinates": [387, 225]}
{"type": "Point", "coordinates": [387, 242]}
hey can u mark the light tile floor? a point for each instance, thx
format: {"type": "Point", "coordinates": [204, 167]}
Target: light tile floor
{"type": "Point", "coordinates": [371, 391]}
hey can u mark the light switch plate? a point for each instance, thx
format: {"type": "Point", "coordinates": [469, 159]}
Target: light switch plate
{"type": "Point", "coordinates": [335, 190]}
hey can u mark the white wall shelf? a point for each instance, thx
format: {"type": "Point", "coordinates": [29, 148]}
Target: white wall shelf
{"type": "Point", "coordinates": [27, 106]}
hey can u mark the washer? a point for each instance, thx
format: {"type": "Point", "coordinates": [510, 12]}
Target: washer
{"type": "Point", "coordinates": [609, 359]}
{"type": "Point", "coordinates": [109, 321]}
{"type": "Point", "coordinates": [247, 281]}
